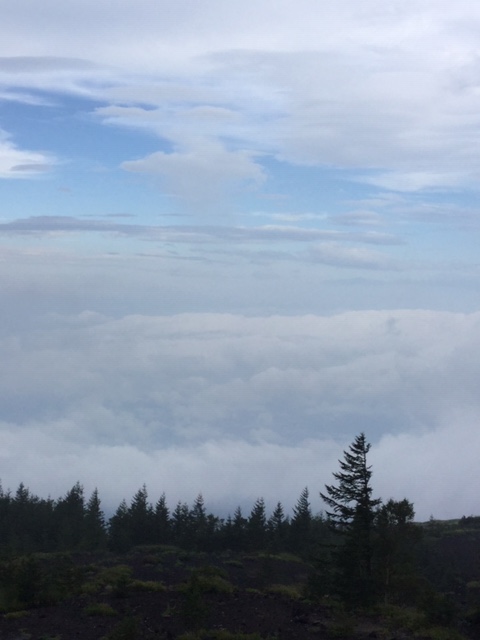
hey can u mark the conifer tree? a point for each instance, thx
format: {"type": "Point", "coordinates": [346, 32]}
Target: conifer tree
{"type": "Point", "coordinates": [301, 524]}
{"type": "Point", "coordinates": [277, 527]}
{"type": "Point", "coordinates": [162, 521]}
{"type": "Point", "coordinates": [257, 525]}
{"type": "Point", "coordinates": [352, 513]}
{"type": "Point", "coordinates": [69, 514]}
{"type": "Point", "coordinates": [182, 524]}
{"type": "Point", "coordinates": [141, 518]}
{"type": "Point", "coordinates": [95, 534]}
{"type": "Point", "coordinates": [236, 531]}
{"type": "Point", "coordinates": [119, 533]}
{"type": "Point", "coordinates": [198, 518]}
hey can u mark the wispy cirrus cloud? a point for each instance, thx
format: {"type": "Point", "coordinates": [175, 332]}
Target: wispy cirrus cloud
{"type": "Point", "coordinates": [288, 233]}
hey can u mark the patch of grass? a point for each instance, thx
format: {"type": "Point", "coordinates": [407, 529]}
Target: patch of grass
{"type": "Point", "coordinates": [16, 615]}
{"type": "Point", "coordinates": [214, 584]}
{"type": "Point", "coordinates": [416, 622]}
{"type": "Point", "coordinates": [234, 563]}
{"type": "Point", "coordinates": [115, 579]}
{"type": "Point", "coordinates": [286, 557]}
{"type": "Point", "coordinates": [168, 550]}
{"type": "Point", "coordinates": [100, 609]}
{"type": "Point", "coordinates": [208, 579]}
{"type": "Point", "coordinates": [251, 557]}
{"type": "Point", "coordinates": [147, 585]}
{"type": "Point", "coordinates": [289, 592]}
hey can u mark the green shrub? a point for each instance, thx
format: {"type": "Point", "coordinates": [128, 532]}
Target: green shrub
{"type": "Point", "coordinates": [439, 608]}
{"type": "Point", "coordinates": [407, 618]}
{"type": "Point", "coordinates": [147, 585]}
{"type": "Point", "coordinates": [100, 609]}
{"type": "Point", "coordinates": [214, 584]}
{"type": "Point", "coordinates": [116, 579]}
{"type": "Point", "coordinates": [290, 592]}
{"type": "Point", "coordinates": [234, 563]}
{"type": "Point", "coordinates": [208, 579]}
{"type": "Point", "coordinates": [31, 581]}
{"type": "Point", "coordinates": [16, 615]}
{"type": "Point", "coordinates": [285, 556]}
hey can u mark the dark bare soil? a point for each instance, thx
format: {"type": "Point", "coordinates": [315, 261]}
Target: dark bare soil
{"type": "Point", "coordinates": [122, 598]}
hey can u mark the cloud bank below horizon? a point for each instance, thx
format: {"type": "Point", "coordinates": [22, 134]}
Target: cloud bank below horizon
{"type": "Point", "coordinates": [237, 406]}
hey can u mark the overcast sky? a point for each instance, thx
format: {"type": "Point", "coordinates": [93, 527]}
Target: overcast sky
{"type": "Point", "coordinates": [233, 235]}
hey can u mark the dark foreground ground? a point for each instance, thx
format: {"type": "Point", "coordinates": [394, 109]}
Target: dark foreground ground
{"type": "Point", "coordinates": [165, 593]}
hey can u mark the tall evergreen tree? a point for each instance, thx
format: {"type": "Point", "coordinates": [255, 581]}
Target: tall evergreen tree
{"type": "Point", "coordinates": [235, 531]}
{"type": "Point", "coordinates": [352, 514]}
{"type": "Point", "coordinates": [142, 518]}
{"type": "Point", "coordinates": [198, 519]}
{"type": "Point", "coordinates": [69, 515]}
{"type": "Point", "coordinates": [182, 525]}
{"type": "Point", "coordinates": [119, 531]}
{"type": "Point", "coordinates": [277, 527]}
{"type": "Point", "coordinates": [257, 526]}
{"type": "Point", "coordinates": [163, 526]}
{"type": "Point", "coordinates": [301, 524]}
{"type": "Point", "coordinates": [95, 533]}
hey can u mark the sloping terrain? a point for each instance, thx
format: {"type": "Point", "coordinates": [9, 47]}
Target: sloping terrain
{"type": "Point", "coordinates": [166, 593]}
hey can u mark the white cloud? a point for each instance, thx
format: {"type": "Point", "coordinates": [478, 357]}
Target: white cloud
{"type": "Point", "coordinates": [336, 254]}
{"type": "Point", "coordinates": [201, 174]}
{"type": "Point", "coordinates": [21, 163]}
{"type": "Point", "coordinates": [263, 398]}
{"type": "Point", "coordinates": [364, 88]}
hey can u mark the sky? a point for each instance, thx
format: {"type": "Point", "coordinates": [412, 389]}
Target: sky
{"type": "Point", "coordinates": [234, 235]}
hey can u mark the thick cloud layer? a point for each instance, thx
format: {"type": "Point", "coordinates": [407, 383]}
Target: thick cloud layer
{"type": "Point", "coordinates": [237, 407]}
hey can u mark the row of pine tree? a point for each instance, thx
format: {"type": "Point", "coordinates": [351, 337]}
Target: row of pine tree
{"type": "Point", "coordinates": [364, 545]}
{"type": "Point", "coordinates": [29, 523]}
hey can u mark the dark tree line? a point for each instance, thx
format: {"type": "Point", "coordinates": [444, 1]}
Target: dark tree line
{"type": "Point", "coordinates": [73, 522]}
{"type": "Point", "coordinates": [362, 548]}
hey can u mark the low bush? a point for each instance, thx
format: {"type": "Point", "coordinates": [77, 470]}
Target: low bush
{"type": "Point", "coordinates": [16, 615]}
{"type": "Point", "coordinates": [147, 585]}
{"type": "Point", "coordinates": [100, 609]}
{"type": "Point", "coordinates": [115, 579]}
{"type": "Point", "coordinates": [208, 579]}
{"type": "Point", "coordinates": [289, 592]}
